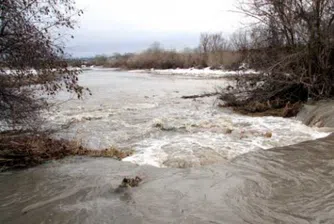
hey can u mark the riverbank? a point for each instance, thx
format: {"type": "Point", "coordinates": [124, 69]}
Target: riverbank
{"type": "Point", "coordinates": [24, 150]}
{"type": "Point", "coordinates": [190, 72]}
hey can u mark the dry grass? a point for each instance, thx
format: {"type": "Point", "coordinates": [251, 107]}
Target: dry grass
{"type": "Point", "coordinates": [22, 151]}
{"type": "Point", "coordinates": [170, 59]}
{"type": "Point", "coordinates": [110, 152]}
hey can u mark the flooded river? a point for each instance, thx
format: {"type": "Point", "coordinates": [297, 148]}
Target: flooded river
{"type": "Point", "coordinates": [199, 163]}
{"type": "Point", "coordinates": [146, 113]}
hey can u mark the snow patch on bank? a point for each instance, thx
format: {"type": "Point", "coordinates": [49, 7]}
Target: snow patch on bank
{"type": "Point", "coordinates": [194, 72]}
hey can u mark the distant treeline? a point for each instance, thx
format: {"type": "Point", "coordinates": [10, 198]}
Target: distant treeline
{"type": "Point", "coordinates": [289, 43]}
{"type": "Point", "coordinates": [214, 51]}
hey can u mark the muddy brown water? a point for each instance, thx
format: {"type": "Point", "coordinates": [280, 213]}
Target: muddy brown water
{"type": "Point", "coordinates": [285, 185]}
{"type": "Point", "coordinates": [290, 184]}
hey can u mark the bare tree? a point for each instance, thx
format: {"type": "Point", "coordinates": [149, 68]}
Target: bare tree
{"type": "Point", "coordinates": [212, 47]}
{"type": "Point", "coordinates": [218, 46]}
{"type": "Point", "coordinates": [32, 55]}
{"type": "Point", "coordinates": [204, 47]}
{"type": "Point", "coordinates": [217, 42]}
{"type": "Point", "coordinates": [155, 47]}
{"type": "Point", "coordinates": [292, 43]}
{"type": "Point", "coordinates": [239, 40]}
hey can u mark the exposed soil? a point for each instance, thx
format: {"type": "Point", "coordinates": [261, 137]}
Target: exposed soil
{"type": "Point", "coordinates": [258, 109]}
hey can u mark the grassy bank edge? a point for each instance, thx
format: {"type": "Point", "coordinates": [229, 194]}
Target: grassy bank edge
{"type": "Point", "coordinates": [19, 151]}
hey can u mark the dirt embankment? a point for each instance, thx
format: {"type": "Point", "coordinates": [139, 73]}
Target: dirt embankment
{"type": "Point", "coordinates": [318, 114]}
{"type": "Point", "coordinates": [275, 108]}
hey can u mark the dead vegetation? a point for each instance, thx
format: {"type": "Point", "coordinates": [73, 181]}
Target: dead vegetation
{"type": "Point", "coordinates": [214, 50]}
{"type": "Point", "coordinates": [25, 150]}
{"type": "Point", "coordinates": [292, 43]}
{"type": "Point", "coordinates": [200, 95]}
{"type": "Point", "coordinates": [110, 153]}
{"type": "Point", "coordinates": [128, 183]}
{"type": "Point", "coordinates": [31, 52]}
{"type": "Point", "coordinates": [131, 182]}
{"type": "Point", "coordinates": [276, 107]}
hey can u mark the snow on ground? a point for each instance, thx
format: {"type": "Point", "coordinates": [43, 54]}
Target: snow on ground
{"type": "Point", "coordinates": [196, 72]}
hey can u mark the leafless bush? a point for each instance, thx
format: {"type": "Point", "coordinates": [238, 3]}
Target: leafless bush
{"type": "Point", "coordinates": [31, 56]}
{"type": "Point", "coordinates": [215, 53]}
{"type": "Point", "coordinates": [213, 48]}
{"type": "Point", "coordinates": [292, 43]}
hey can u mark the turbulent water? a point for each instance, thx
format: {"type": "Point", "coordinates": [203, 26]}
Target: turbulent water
{"type": "Point", "coordinates": [146, 113]}
{"type": "Point", "coordinates": [227, 177]}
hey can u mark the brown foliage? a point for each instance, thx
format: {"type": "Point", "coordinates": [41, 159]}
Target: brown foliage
{"type": "Point", "coordinates": [213, 51]}
{"type": "Point", "coordinates": [170, 59]}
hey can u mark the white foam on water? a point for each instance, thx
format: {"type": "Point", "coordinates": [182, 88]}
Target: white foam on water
{"type": "Point", "coordinates": [207, 142]}
{"type": "Point", "coordinates": [149, 116]}
{"type": "Point", "coordinates": [149, 153]}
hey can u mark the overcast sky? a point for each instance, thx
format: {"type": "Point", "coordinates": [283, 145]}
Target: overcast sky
{"type": "Point", "coordinates": [109, 26]}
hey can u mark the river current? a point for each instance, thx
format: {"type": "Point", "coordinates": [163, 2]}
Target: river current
{"type": "Point", "coordinates": [199, 163]}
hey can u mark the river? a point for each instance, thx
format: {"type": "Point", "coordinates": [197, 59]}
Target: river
{"type": "Point", "coordinates": [199, 163]}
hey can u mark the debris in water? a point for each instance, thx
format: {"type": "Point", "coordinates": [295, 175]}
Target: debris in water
{"type": "Point", "coordinates": [128, 183]}
{"type": "Point", "coordinates": [158, 125]}
{"type": "Point", "coordinates": [268, 134]}
{"type": "Point", "coordinates": [200, 96]}
{"type": "Point", "coordinates": [228, 131]}
{"type": "Point", "coordinates": [111, 153]}
{"type": "Point", "coordinates": [132, 182]}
